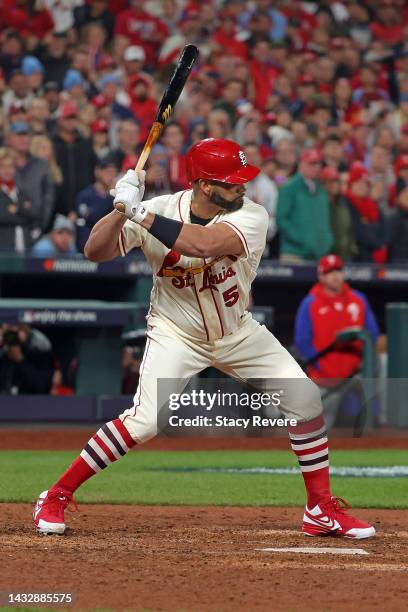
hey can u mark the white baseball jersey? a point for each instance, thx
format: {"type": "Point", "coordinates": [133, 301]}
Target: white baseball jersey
{"type": "Point", "coordinates": [206, 298]}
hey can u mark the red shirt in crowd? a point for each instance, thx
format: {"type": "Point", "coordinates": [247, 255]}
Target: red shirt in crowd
{"type": "Point", "coordinates": [142, 29]}
{"type": "Point", "coordinates": [263, 76]}
{"type": "Point", "coordinates": [229, 44]}
{"type": "Point", "coordinates": [17, 17]}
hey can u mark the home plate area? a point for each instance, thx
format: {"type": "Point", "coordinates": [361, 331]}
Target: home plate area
{"type": "Point", "coordinates": [206, 559]}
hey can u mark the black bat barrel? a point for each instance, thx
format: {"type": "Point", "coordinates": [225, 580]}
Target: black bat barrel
{"type": "Point", "coordinates": [178, 79]}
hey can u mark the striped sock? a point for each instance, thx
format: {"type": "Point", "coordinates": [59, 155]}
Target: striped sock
{"type": "Point", "coordinates": [310, 445]}
{"type": "Point", "coordinates": [110, 442]}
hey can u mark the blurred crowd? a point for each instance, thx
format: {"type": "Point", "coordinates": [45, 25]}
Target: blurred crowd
{"type": "Point", "coordinates": [316, 93]}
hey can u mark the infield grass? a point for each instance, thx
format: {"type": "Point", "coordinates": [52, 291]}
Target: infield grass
{"type": "Point", "coordinates": [147, 478]}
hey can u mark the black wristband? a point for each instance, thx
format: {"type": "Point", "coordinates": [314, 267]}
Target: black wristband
{"type": "Point", "coordinates": [166, 230]}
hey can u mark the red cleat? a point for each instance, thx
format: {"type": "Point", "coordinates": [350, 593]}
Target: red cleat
{"type": "Point", "coordinates": [49, 511]}
{"type": "Point", "coordinates": [329, 518]}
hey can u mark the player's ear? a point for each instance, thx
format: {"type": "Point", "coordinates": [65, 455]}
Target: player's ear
{"type": "Point", "coordinates": [204, 186]}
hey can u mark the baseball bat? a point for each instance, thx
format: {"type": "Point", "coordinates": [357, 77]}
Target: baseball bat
{"type": "Point", "coordinates": [177, 81]}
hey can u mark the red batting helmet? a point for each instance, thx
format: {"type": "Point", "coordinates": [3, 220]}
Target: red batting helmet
{"type": "Point", "coordinates": [219, 159]}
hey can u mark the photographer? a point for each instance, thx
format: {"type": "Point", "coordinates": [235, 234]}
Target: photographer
{"type": "Point", "coordinates": [26, 364]}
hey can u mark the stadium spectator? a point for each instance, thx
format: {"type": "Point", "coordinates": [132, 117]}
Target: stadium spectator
{"type": "Point", "coordinates": [54, 57]}
{"type": "Point", "coordinates": [142, 104]}
{"type": "Point", "coordinates": [11, 52]}
{"type": "Point", "coordinates": [381, 175]}
{"type": "Point", "coordinates": [134, 344]}
{"type": "Point", "coordinates": [263, 72]}
{"type": "Point", "coordinates": [76, 87]}
{"type": "Point", "coordinates": [26, 365]}
{"type": "Point", "coordinates": [369, 224]}
{"type": "Point", "coordinates": [39, 115]}
{"type": "Point", "coordinates": [226, 36]}
{"type": "Point", "coordinates": [341, 220]}
{"type": "Point", "coordinates": [141, 28]}
{"type": "Point", "coordinates": [262, 189]}
{"type": "Point", "coordinates": [128, 141]}
{"type": "Point", "coordinates": [303, 213]}
{"type": "Point", "coordinates": [74, 156]}
{"type": "Point", "coordinates": [96, 11]}
{"type": "Point", "coordinates": [134, 58]}
{"type": "Point", "coordinates": [173, 142]}
{"type": "Point", "coordinates": [15, 209]}
{"type": "Point", "coordinates": [94, 202]}
{"type": "Point", "coordinates": [100, 137]}
{"type": "Point", "coordinates": [43, 148]}
{"type": "Point", "coordinates": [17, 92]}
{"type": "Point", "coordinates": [62, 13]}
{"type": "Point", "coordinates": [59, 242]}
{"type": "Point", "coordinates": [330, 307]}
{"type": "Point", "coordinates": [332, 152]}
{"type": "Point", "coordinates": [52, 96]}
{"type": "Point", "coordinates": [33, 70]}
{"type": "Point", "coordinates": [32, 177]}
{"type": "Point", "coordinates": [231, 95]}
{"type": "Point", "coordinates": [286, 160]}
{"type": "Point", "coordinates": [399, 229]}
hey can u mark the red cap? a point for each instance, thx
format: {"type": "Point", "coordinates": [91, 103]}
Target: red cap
{"type": "Point", "coordinates": [306, 79]}
{"type": "Point", "coordinates": [401, 163]}
{"type": "Point", "coordinates": [328, 263]}
{"type": "Point", "coordinates": [67, 109]}
{"type": "Point", "coordinates": [356, 173]}
{"type": "Point", "coordinates": [219, 159]}
{"type": "Point", "coordinates": [330, 174]}
{"type": "Point", "coordinates": [404, 129]}
{"type": "Point", "coordinates": [99, 126]}
{"type": "Point", "coordinates": [311, 156]}
{"type": "Point", "coordinates": [100, 101]}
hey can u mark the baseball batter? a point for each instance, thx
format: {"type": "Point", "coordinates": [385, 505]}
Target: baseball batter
{"type": "Point", "coordinates": [204, 247]}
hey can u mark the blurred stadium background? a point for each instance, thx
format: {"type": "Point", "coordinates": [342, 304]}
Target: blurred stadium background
{"type": "Point", "coordinates": [316, 93]}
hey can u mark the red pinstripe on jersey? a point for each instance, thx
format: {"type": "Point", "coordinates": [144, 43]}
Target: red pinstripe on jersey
{"type": "Point", "coordinates": [201, 310]}
{"type": "Point", "coordinates": [216, 307]}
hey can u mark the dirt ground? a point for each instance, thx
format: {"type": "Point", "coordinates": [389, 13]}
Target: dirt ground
{"type": "Point", "coordinates": [203, 560]}
{"type": "Point", "coordinates": [75, 439]}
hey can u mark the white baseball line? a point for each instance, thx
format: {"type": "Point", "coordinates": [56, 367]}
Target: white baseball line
{"type": "Point", "coordinates": [317, 551]}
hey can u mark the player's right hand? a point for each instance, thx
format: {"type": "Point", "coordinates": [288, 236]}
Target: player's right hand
{"type": "Point", "coordinates": [129, 191]}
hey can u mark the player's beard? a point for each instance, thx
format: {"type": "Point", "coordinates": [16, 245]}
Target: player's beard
{"type": "Point", "coordinates": [228, 205]}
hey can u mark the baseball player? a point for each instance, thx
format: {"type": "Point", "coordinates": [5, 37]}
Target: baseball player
{"type": "Point", "coordinates": [204, 247]}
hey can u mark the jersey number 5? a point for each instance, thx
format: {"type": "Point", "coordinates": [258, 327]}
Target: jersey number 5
{"type": "Point", "coordinates": [231, 296]}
